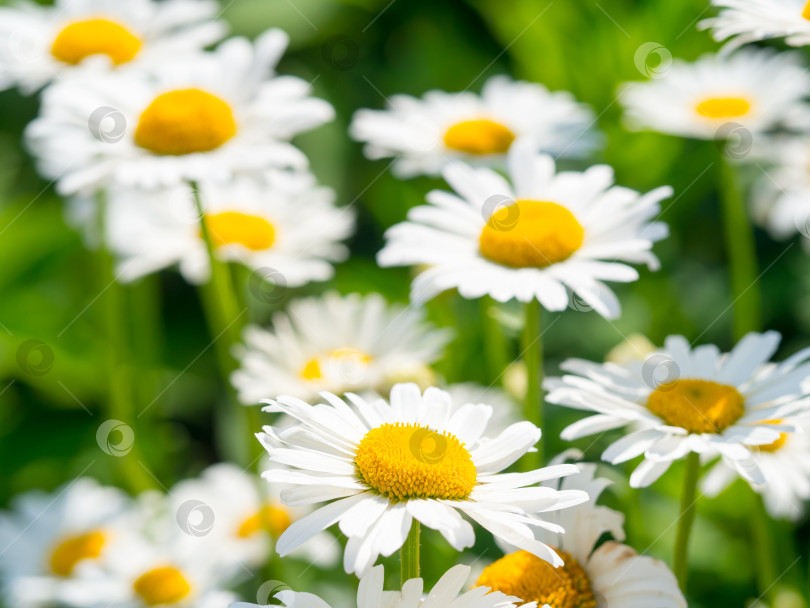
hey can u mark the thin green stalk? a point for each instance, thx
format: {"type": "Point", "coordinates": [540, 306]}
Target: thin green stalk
{"type": "Point", "coordinates": [532, 348]}
{"type": "Point", "coordinates": [741, 253]}
{"type": "Point", "coordinates": [496, 356]}
{"type": "Point", "coordinates": [767, 572]}
{"type": "Point", "coordinates": [409, 554]}
{"type": "Point", "coordinates": [687, 517]}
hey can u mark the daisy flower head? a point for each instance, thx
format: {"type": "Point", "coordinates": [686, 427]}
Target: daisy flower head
{"type": "Point", "coordinates": [785, 466]}
{"type": "Point", "coordinates": [681, 400]}
{"type": "Point", "coordinates": [425, 134]}
{"type": "Point", "coordinates": [42, 43]}
{"type": "Point", "coordinates": [282, 225]}
{"type": "Point", "coordinates": [446, 593]}
{"type": "Point", "coordinates": [209, 116]}
{"type": "Point", "coordinates": [383, 465]}
{"type": "Point", "coordinates": [757, 90]}
{"type": "Point", "coordinates": [744, 21]}
{"type": "Point", "coordinates": [47, 537]}
{"type": "Point", "coordinates": [538, 237]}
{"type": "Point", "coordinates": [338, 344]}
{"type": "Point", "coordinates": [231, 509]}
{"type": "Point", "coordinates": [611, 574]}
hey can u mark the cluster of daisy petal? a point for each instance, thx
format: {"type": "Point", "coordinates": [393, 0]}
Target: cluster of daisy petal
{"type": "Point", "coordinates": [172, 146]}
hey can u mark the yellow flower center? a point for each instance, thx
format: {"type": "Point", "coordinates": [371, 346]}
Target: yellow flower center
{"type": "Point", "coordinates": [352, 361]}
{"type": "Point", "coordinates": [699, 406]}
{"type": "Point", "coordinates": [531, 234]}
{"type": "Point", "coordinates": [164, 585]}
{"type": "Point", "coordinates": [407, 461]}
{"type": "Point", "coordinates": [82, 39]}
{"type": "Point", "coordinates": [74, 549]}
{"type": "Point", "coordinates": [479, 137]}
{"type": "Point", "coordinates": [235, 228]}
{"type": "Point", "coordinates": [184, 122]}
{"type": "Point", "coordinates": [806, 11]}
{"type": "Point", "coordinates": [535, 580]}
{"type": "Point", "coordinates": [723, 107]}
{"type": "Point", "coordinates": [270, 518]}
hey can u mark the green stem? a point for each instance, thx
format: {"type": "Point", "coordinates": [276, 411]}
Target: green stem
{"type": "Point", "coordinates": [495, 349]}
{"type": "Point", "coordinates": [741, 253]}
{"type": "Point", "coordinates": [532, 348]}
{"type": "Point", "coordinates": [762, 536]}
{"type": "Point", "coordinates": [409, 554]}
{"type": "Point", "coordinates": [687, 517]}
{"type": "Point", "coordinates": [120, 400]}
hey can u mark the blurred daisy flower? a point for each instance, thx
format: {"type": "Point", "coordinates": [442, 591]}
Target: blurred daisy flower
{"type": "Point", "coordinates": [336, 343]}
{"type": "Point", "coordinates": [785, 466]}
{"type": "Point", "coordinates": [425, 134]}
{"type": "Point", "coordinates": [42, 43]}
{"type": "Point", "coordinates": [536, 238]}
{"type": "Point", "coordinates": [47, 537]}
{"type": "Point", "coordinates": [208, 116]}
{"type": "Point", "coordinates": [744, 21]}
{"type": "Point", "coordinates": [421, 458]}
{"type": "Point", "coordinates": [681, 400]}
{"type": "Point", "coordinates": [757, 90]}
{"type": "Point", "coordinates": [284, 226]}
{"type": "Point", "coordinates": [611, 574]}
{"type": "Point", "coordinates": [230, 509]}
{"type": "Point", "coordinates": [446, 593]}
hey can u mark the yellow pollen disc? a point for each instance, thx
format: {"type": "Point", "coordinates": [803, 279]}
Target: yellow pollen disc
{"type": "Point", "coordinates": [234, 228]}
{"type": "Point", "coordinates": [535, 580]}
{"type": "Point", "coordinates": [776, 445]}
{"type": "Point", "coordinates": [479, 137]}
{"type": "Point", "coordinates": [723, 107]}
{"type": "Point", "coordinates": [71, 551]}
{"type": "Point", "coordinates": [406, 461]}
{"type": "Point", "coordinates": [699, 406]}
{"type": "Point", "coordinates": [164, 585]}
{"type": "Point", "coordinates": [271, 518]}
{"type": "Point", "coordinates": [312, 370]}
{"type": "Point", "coordinates": [806, 11]}
{"type": "Point", "coordinates": [184, 122]}
{"type": "Point", "coordinates": [82, 39]}
{"type": "Point", "coordinates": [531, 234]}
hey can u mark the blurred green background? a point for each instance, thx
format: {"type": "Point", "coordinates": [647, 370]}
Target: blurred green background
{"type": "Point", "coordinates": [357, 52]}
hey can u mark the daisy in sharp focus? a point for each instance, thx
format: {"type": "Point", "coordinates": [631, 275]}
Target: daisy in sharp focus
{"type": "Point", "coordinates": [785, 466]}
{"type": "Point", "coordinates": [681, 400]}
{"type": "Point", "coordinates": [283, 225]}
{"type": "Point", "coordinates": [42, 43]}
{"type": "Point", "coordinates": [425, 134]}
{"type": "Point", "coordinates": [744, 21]}
{"type": "Point", "coordinates": [46, 537]}
{"type": "Point", "coordinates": [536, 238]}
{"type": "Point", "coordinates": [757, 89]}
{"type": "Point", "coordinates": [235, 511]}
{"type": "Point", "coordinates": [336, 343]}
{"type": "Point", "coordinates": [446, 593]}
{"type": "Point", "coordinates": [603, 576]}
{"type": "Point", "coordinates": [208, 116]}
{"type": "Point", "coordinates": [421, 458]}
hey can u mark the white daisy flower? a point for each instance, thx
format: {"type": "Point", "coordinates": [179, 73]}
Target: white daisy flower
{"type": "Point", "coordinates": [537, 237]}
{"type": "Point", "coordinates": [204, 117]}
{"type": "Point", "coordinates": [45, 538]}
{"type": "Point", "coordinates": [42, 43]}
{"type": "Point", "coordinates": [228, 508]}
{"type": "Point", "coordinates": [420, 458]}
{"type": "Point", "coordinates": [285, 225]}
{"type": "Point", "coordinates": [371, 594]}
{"type": "Point", "coordinates": [425, 134]}
{"type": "Point", "coordinates": [611, 575]}
{"type": "Point", "coordinates": [681, 400]}
{"type": "Point", "coordinates": [756, 89]}
{"type": "Point", "coordinates": [338, 344]}
{"type": "Point", "coordinates": [785, 465]}
{"type": "Point", "coordinates": [744, 21]}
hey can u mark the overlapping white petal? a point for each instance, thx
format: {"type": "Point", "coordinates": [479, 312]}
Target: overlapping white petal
{"type": "Point", "coordinates": [745, 21]}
